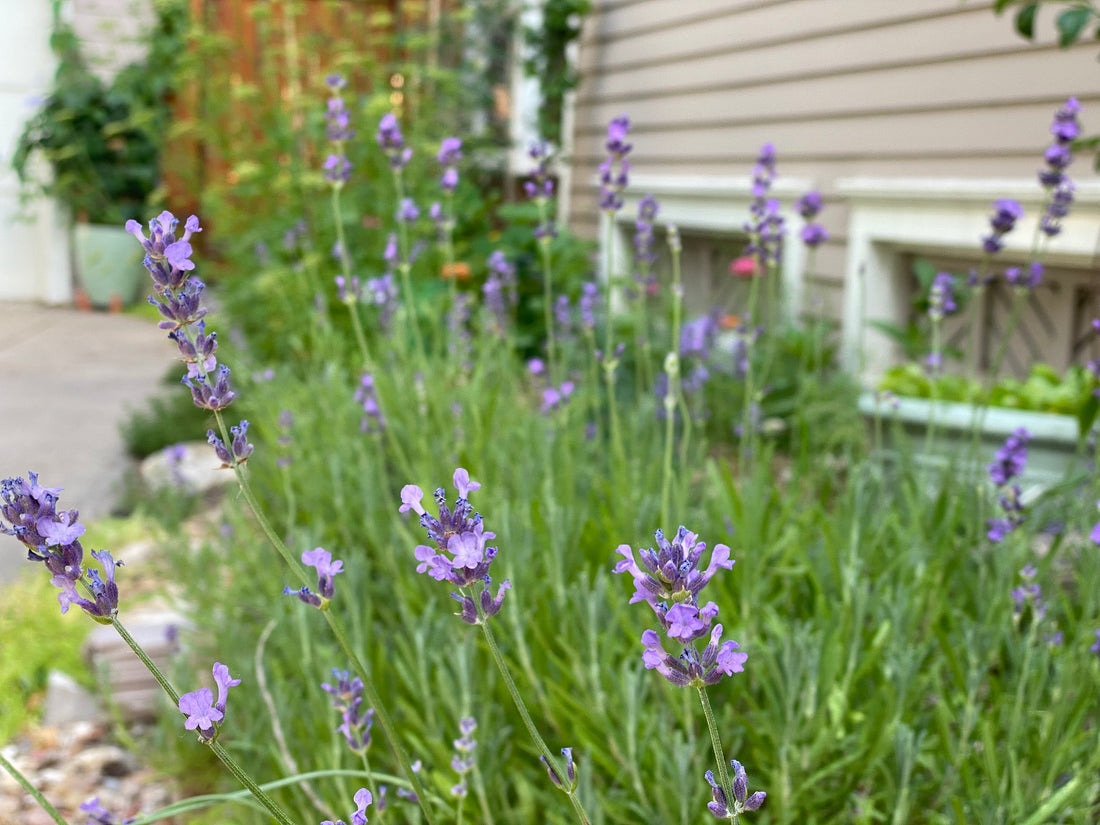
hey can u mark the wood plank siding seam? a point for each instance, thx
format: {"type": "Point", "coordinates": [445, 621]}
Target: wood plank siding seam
{"type": "Point", "coordinates": [603, 10]}
{"type": "Point", "coordinates": [587, 100]}
{"type": "Point", "coordinates": [804, 36]}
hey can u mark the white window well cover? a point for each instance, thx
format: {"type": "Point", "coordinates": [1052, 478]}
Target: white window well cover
{"type": "Point", "coordinates": [891, 217]}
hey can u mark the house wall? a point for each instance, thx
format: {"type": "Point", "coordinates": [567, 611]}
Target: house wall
{"type": "Point", "coordinates": [867, 101]}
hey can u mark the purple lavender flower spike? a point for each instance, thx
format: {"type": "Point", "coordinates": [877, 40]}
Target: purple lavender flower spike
{"type": "Point", "coordinates": [203, 714]}
{"type": "Point", "coordinates": [1005, 214]}
{"type": "Point", "coordinates": [813, 234]}
{"type": "Point", "coordinates": [367, 397]}
{"type": "Point", "coordinates": [347, 698]}
{"type": "Point", "coordinates": [327, 569]}
{"type": "Point", "coordinates": [742, 802]}
{"type": "Point", "coordinates": [1010, 459]}
{"type": "Point", "coordinates": [766, 227]}
{"type": "Point", "coordinates": [100, 815]}
{"type": "Point", "coordinates": [669, 581]}
{"type": "Point", "coordinates": [614, 171]}
{"type": "Point", "coordinates": [362, 799]}
{"type": "Point", "coordinates": [407, 212]}
{"type": "Point", "coordinates": [392, 142]}
{"type": "Point", "coordinates": [224, 682]}
{"type": "Point", "coordinates": [461, 535]}
{"type": "Point", "coordinates": [1096, 646]}
{"type": "Point", "coordinates": [240, 447]}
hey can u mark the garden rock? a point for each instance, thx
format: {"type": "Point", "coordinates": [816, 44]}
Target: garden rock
{"type": "Point", "coordinates": [189, 467]}
{"type": "Point", "coordinates": [130, 686]}
{"type": "Point", "coordinates": [67, 702]}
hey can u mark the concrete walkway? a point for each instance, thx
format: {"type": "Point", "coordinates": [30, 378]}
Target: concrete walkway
{"type": "Point", "coordinates": [67, 380]}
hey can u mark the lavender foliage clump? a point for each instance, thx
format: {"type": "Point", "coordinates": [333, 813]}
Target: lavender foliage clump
{"type": "Point", "coordinates": [669, 581]}
{"type": "Point", "coordinates": [28, 511]}
{"type": "Point", "coordinates": [459, 555]}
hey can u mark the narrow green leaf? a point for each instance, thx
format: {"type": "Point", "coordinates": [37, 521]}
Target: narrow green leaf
{"type": "Point", "coordinates": [1001, 5]}
{"type": "Point", "coordinates": [1070, 25]}
{"type": "Point", "coordinates": [1087, 415]}
{"type": "Point", "coordinates": [1025, 20]}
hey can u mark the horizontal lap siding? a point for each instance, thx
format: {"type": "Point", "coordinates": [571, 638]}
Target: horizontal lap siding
{"type": "Point", "coordinates": [905, 88]}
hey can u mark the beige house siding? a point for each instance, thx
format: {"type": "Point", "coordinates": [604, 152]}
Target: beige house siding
{"type": "Point", "coordinates": [916, 89]}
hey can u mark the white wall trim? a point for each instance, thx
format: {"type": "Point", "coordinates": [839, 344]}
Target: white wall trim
{"type": "Point", "coordinates": [710, 204]}
{"type": "Point", "coordinates": [889, 217]}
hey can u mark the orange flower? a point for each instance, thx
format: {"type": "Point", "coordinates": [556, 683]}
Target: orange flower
{"type": "Point", "coordinates": [459, 270]}
{"type": "Point", "coordinates": [730, 322]}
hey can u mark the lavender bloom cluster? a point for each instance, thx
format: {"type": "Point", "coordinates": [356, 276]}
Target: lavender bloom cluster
{"type": "Point", "coordinates": [362, 799]}
{"type": "Point", "coordinates": [742, 802]}
{"type": "Point", "coordinates": [941, 297]}
{"type": "Point", "coordinates": [1025, 279]}
{"type": "Point", "coordinates": [813, 234]}
{"type": "Point", "coordinates": [499, 291]}
{"type": "Point", "coordinates": [204, 715]}
{"type": "Point", "coordinates": [614, 172]}
{"type": "Point", "coordinates": [28, 511]}
{"type": "Point", "coordinates": [168, 261]}
{"type": "Point", "coordinates": [766, 227]}
{"type": "Point", "coordinates": [540, 187]}
{"type": "Point", "coordinates": [459, 555]}
{"type": "Point", "coordinates": [1028, 594]}
{"type": "Point", "coordinates": [367, 397]}
{"type": "Point", "coordinates": [347, 698]}
{"type": "Point", "coordinates": [669, 581]}
{"type": "Point", "coordinates": [392, 142]}
{"type": "Point", "coordinates": [463, 760]}
{"type": "Point", "coordinates": [1058, 157]}
{"type": "Point", "coordinates": [450, 153]}
{"type": "Point", "coordinates": [1005, 214]}
{"type": "Point", "coordinates": [337, 167]}
{"type": "Point", "coordinates": [98, 815]}
{"type": "Point", "coordinates": [1008, 464]}
{"type": "Point", "coordinates": [321, 560]}
{"type": "Point", "coordinates": [570, 770]}
{"type": "Point", "coordinates": [644, 256]}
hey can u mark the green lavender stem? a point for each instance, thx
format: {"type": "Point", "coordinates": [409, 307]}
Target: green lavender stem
{"type": "Point", "coordinates": [338, 630]}
{"type": "Point", "coordinates": [25, 783]}
{"type": "Point", "coordinates": [675, 389]}
{"type": "Point", "coordinates": [716, 743]}
{"type": "Point", "coordinates": [345, 266]}
{"type": "Point", "coordinates": [536, 737]}
{"type": "Point", "coordinates": [547, 290]}
{"type": "Point", "coordinates": [405, 268]}
{"type": "Point", "coordinates": [219, 750]}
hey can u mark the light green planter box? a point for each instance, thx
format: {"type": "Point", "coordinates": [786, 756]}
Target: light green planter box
{"type": "Point", "coordinates": [107, 260]}
{"type": "Point", "coordinates": [1052, 453]}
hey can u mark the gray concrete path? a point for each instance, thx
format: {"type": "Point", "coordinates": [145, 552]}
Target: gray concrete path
{"type": "Point", "coordinates": [67, 379]}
